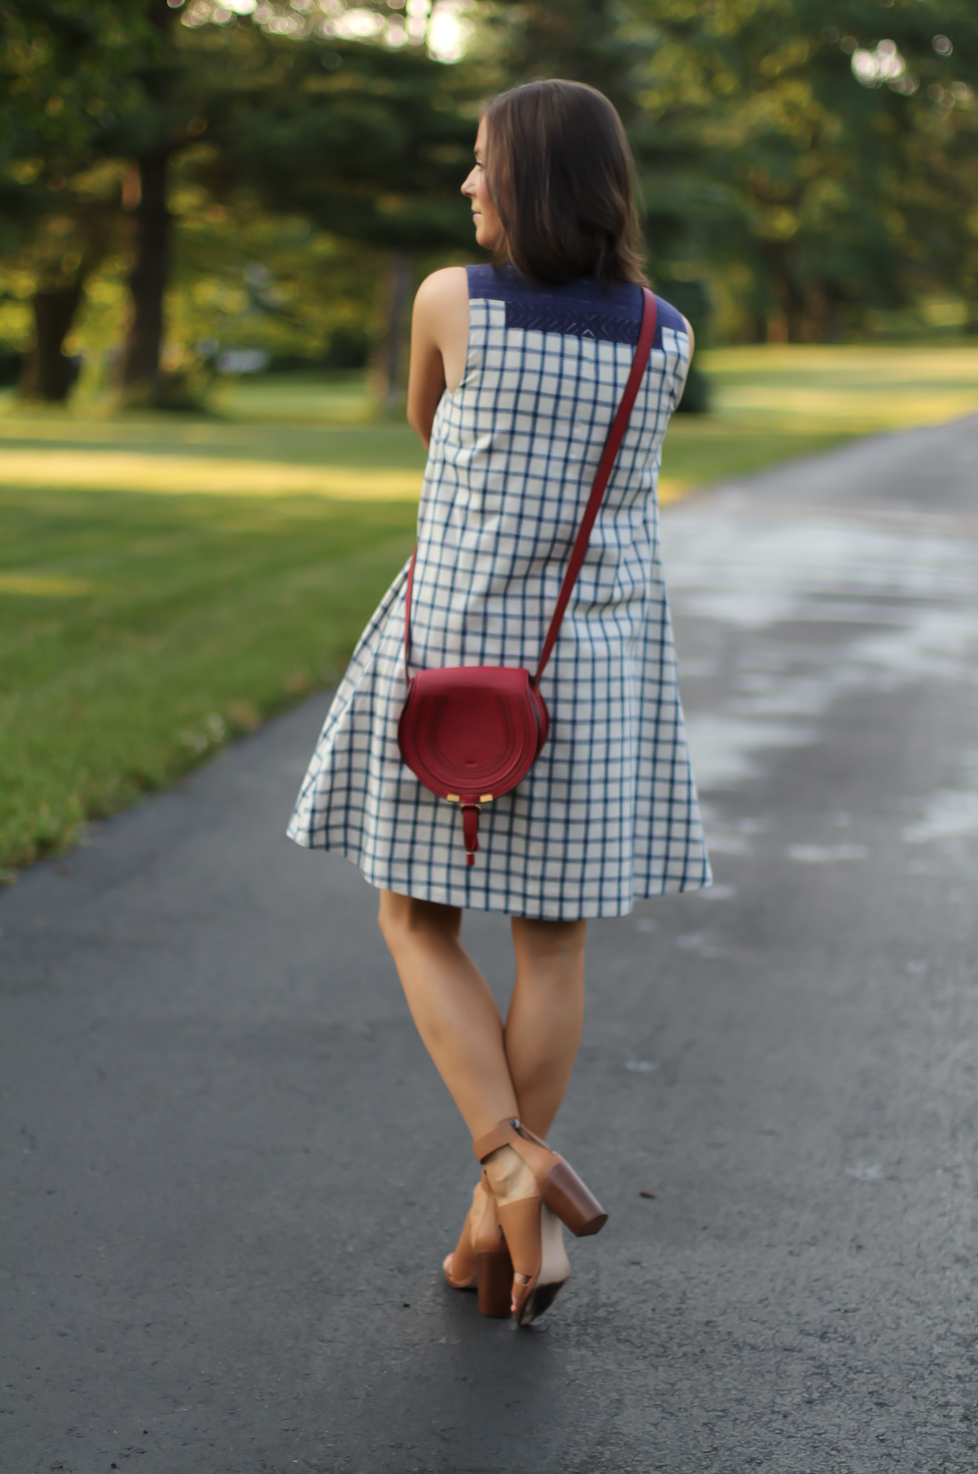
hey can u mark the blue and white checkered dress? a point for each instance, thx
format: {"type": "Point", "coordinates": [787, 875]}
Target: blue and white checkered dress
{"type": "Point", "coordinates": [608, 812]}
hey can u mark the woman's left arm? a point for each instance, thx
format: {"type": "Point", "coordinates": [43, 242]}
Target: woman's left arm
{"type": "Point", "coordinates": [439, 338]}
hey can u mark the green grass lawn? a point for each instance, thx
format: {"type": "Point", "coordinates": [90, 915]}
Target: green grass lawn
{"type": "Point", "coordinates": [168, 582]}
{"type": "Point", "coordinates": [138, 632]}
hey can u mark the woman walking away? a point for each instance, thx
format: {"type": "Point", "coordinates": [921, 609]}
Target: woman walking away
{"type": "Point", "coordinates": [518, 371]}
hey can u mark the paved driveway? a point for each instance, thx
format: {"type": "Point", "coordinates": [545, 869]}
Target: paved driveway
{"type": "Point", "coordinates": [231, 1172]}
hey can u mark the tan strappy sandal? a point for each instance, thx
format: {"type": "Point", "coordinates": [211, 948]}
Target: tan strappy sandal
{"type": "Point", "coordinates": [560, 1187]}
{"type": "Point", "coordinates": [532, 1224]}
{"type": "Point", "coordinates": [482, 1260]}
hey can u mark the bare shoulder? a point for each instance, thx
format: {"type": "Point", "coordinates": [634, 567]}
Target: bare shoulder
{"type": "Point", "coordinates": [691, 336]}
{"type": "Point", "coordinates": [444, 291]}
{"type": "Point", "coordinates": [441, 324]}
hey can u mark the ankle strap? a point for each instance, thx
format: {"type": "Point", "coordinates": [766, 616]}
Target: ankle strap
{"type": "Point", "coordinates": [502, 1135]}
{"type": "Point", "coordinates": [505, 1134]}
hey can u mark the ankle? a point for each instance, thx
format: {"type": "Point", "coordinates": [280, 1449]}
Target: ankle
{"type": "Point", "coordinates": [509, 1176]}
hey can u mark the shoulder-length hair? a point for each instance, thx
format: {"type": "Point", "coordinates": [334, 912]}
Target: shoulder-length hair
{"type": "Point", "coordinates": [560, 173]}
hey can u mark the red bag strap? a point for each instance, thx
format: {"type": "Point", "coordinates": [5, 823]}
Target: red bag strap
{"type": "Point", "coordinates": [615, 436]}
{"type": "Point", "coordinates": [612, 445]}
{"type": "Point", "coordinates": [407, 613]}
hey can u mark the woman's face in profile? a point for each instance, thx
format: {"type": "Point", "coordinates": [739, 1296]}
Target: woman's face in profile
{"type": "Point", "coordinates": [489, 231]}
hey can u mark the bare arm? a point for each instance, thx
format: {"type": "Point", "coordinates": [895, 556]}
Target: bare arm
{"type": "Point", "coordinates": [439, 339]}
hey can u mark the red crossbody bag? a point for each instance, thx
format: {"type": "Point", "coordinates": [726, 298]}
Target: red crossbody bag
{"type": "Point", "coordinates": [471, 733]}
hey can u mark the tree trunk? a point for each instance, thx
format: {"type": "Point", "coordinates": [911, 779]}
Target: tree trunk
{"type": "Point", "coordinates": [140, 370]}
{"type": "Point", "coordinates": [969, 285]}
{"type": "Point", "coordinates": [798, 313]}
{"type": "Point", "coordinates": [47, 375]}
{"type": "Point", "coordinates": [757, 327]}
{"type": "Point", "coordinates": [817, 315]}
{"type": "Point", "coordinates": [400, 287]}
{"type": "Point", "coordinates": [779, 294]}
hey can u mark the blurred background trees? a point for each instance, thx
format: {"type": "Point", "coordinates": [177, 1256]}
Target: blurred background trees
{"type": "Point", "coordinates": [830, 166]}
{"type": "Point", "coordinates": [65, 86]}
{"type": "Point", "coordinates": [182, 181]}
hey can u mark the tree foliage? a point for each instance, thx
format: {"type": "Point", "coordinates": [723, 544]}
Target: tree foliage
{"type": "Point", "coordinates": [66, 92]}
{"type": "Point", "coordinates": [825, 150]}
{"type": "Point", "coordinates": [369, 143]}
{"type": "Point", "coordinates": [802, 160]}
{"type": "Point", "coordinates": [360, 140]}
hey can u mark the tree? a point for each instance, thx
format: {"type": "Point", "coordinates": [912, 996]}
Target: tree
{"type": "Point", "coordinates": [368, 143]}
{"type": "Point", "coordinates": [578, 40]}
{"type": "Point", "coordinates": [364, 140]}
{"type": "Point", "coordinates": [813, 146]}
{"type": "Point", "coordinates": [156, 135]}
{"type": "Point", "coordinates": [63, 85]}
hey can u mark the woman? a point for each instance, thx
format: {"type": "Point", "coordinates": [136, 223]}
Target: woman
{"type": "Point", "coordinates": [516, 373]}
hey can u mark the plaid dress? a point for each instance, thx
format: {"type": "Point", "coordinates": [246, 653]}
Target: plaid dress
{"type": "Point", "coordinates": [608, 812]}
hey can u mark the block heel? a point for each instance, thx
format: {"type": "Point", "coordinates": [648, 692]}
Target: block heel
{"type": "Point", "coordinates": [560, 1187]}
{"type": "Point", "coordinates": [574, 1204]}
{"type": "Point", "coordinates": [494, 1276]}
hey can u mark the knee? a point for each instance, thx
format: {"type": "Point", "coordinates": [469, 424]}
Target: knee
{"type": "Point", "coordinates": [403, 918]}
{"type": "Point", "coordinates": [540, 942]}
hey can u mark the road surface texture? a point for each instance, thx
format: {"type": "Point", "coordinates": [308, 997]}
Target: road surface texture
{"type": "Point", "coordinates": [231, 1172]}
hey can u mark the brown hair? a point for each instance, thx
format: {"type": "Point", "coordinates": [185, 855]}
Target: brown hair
{"type": "Point", "coordinates": [560, 172]}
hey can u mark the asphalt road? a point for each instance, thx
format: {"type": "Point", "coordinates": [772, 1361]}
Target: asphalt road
{"type": "Point", "coordinates": [230, 1172]}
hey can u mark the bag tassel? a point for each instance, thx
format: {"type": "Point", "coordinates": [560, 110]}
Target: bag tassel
{"type": "Point", "coordinates": [470, 830]}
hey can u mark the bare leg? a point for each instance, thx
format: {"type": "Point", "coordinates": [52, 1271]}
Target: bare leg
{"type": "Point", "coordinates": [461, 1027]}
{"type": "Point", "coordinates": [546, 1012]}
{"type": "Point", "coordinates": [451, 1003]}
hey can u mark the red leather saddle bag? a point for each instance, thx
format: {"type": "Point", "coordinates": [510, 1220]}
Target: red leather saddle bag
{"type": "Point", "coordinates": [472, 732]}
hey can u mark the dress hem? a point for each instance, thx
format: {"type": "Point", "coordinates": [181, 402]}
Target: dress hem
{"type": "Point", "coordinates": [556, 911]}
